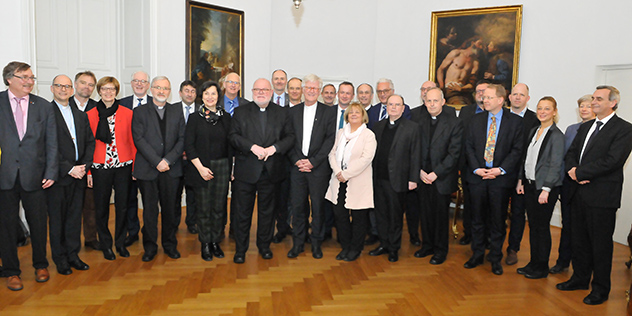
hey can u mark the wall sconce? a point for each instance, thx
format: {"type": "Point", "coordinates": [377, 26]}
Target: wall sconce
{"type": "Point", "coordinates": [297, 3]}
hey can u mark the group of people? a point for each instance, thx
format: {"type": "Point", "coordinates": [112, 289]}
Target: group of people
{"type": "Point", "coordinates": [311, 166]}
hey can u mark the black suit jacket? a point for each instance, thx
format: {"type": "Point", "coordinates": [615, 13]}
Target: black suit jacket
{"type": "Point", "coordinates": [441, 153]}
{"type": "Point", "coordinates": [465, 115]}
{"type": "Point", "coordinates": [127, 101]}
{"type": "Point", "coordinates": [35, 156]}
{"type": "Point", "coordinates": [529, 121]}
{"type": "Point", "coordinates": [66, 147]}
{"type": "Point", "coordinates": [246, 131]}
{"type": "Point", "coordinates": [602, 163]}
{"type": "Point", "coordinates": [507, 152]}
{"type": "Point", "coordinates": [322, 138]}
{"type": "Point", "coordinates": [374, 114]}
{"type": "Point", "coordinates": [150, 143]}
{"type": "Point", "coordinates": [91, 104]}
{"type": "Point", "coordinates": [286, 97]}
{"type": "Point", "coordinates": [404, 155]}
{"type": "Point", "coordinates": [420, 111]}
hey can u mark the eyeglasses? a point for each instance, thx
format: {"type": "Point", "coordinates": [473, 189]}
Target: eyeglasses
{"type": "Point", "coordinates": [232, 82]}
{"type": "Point", "coordinates": [257, 90]}
{"type": "Point", "coordinates": [108, 89]}
{"type": "Point", "coordinates": [383, 91]}
{"type": "Point", "coordinates": [24, 78]}
{"type": "Point", "coordinates": [310, 88]}
{"type": "Point", "coordinates": [140, 81]}
{"type": "Point", "coordinates": [62, 86]}
{"type": "Point", "coordinates": [161, 88]}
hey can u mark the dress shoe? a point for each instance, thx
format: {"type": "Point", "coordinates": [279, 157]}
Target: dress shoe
{"type": "Point", "coordinates": [497, 268]}
{"type": "Point", "coordinates": [421, 253]}
{"type": "Point", "coordinates": [108, 254]}
{"type": "Point", "coordinates": [295, 251]}
{"type": "Point", "coordinates": [558, 268]}
{"type": "Point", "coordinates": [266, 253]}
{"type": "Point", "coordinates": [77, 264]}
{"type": "Point", "coordinates": [571, 285]}
{"type": "Point", "coordinates": [371, 240]}
{"type": "Point", "coordinates": [14, 283]}
{"type": "Point", "coordinates": [130, 240]}
{"type": "Point", "coordinates": [206, 253]}
{"type": "Point", "coordinates": [42, 275]}
{"type": "Point", "coordinates": [192, 229]}
{"type": "Point", "coordinates": [595, 299]}
{"type": "Point", "coordinates": [172, 253]}
{"type": "Point", "coordinates": [512, 258]}
{"type": "Point", "coordinates": [437, 259]}
{"type": "Point", "coordinates": [148, 256]}
{"type": "Point", "coordinates": [217, 250]}
{"type": "Point", "coordinates": [64, 269]}
{"type": "Point", "coordinates": [239, 257]}
{"type": "Point", "coordinates": [93, 244]}
{"type": "Point", "coordinates": [317, 253]}
{"type": "Point", "coordinates": [414, 239]}
{"type": "Point", "coordinates": [537, 274]}
{"type": "Point", "coordinates": [378, 251]}
{"type": "Point", "coordinates": [278, 238]}
{"type": "Point", "coordinates": [473, 263]}
{"type": "Point", "coordinates": [393, 256]}
{"type": "Point", "coordinates": [352, 255]}
{"type": "Point", "coordinates": [122, 251]}
{"type": "Point", "coordinates": [342, 255]}
{"type": "Point", "coordinates": [465, 240]}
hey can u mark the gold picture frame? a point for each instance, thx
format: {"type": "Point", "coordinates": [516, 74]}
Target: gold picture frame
{"type": "Point", "coordinates": [473, 44]}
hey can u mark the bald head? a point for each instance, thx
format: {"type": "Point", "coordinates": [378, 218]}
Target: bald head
{"type": "Point", "coordinates": [519, 97]}
{"type": "Point", "coordinates": [62, 89]}
{"type": "Point", "coordinates": [424, 89]}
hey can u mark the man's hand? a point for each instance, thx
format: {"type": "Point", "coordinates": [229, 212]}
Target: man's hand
{"type": "Point", "coordinates": [89, 181]}
{"type": "Point", "coordinates": [304, 165]}
{"type": "Point", "coordinates": [78, 172]}
{"type": "Point", "coordinates": [206, 173]}
{"type": "Point", "coordinates": [269, 152]}
{"type": "Point", "coordinates": [46, 183]}
{"type": "Point", "coordinates": [520, 187]}
{"type": "Point", "coordinates": [544, 197]}
{"type": "Point", "coordinates": [258, 151]}
{"type": "Point", "coordinates": [412, 185]}
{"type": "Point", "coordinates": [163, 166]}
{"type": "Point", "coordinates": [429, 178]}
{"type": "Point", "coordinates": [571, 173]}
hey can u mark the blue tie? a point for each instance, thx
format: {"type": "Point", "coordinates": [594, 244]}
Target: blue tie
{"type": "Point", "coordinates": [342, 119]}
{"type": "Point", "coordinates": [139, 102]}
{"type": "Point", "coordinates": [186, 116]}
{"type": "Point", "coordinates": [384, 113]}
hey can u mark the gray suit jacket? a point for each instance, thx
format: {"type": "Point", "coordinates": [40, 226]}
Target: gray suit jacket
{"type": "Point", "coordinates": [35, 157]}
{"type": "Point", "coordinates": [548, 169]}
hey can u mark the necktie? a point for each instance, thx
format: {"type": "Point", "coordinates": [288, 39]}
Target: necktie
{"type": "Point", "coordinates": [490, 145]}
{"type": "Point", "coordinates": [19, 117]}
{"type": "Point", "coordinates": [592, 137]}
{"type": "Point", "coordinates": [230, 105]}
{"type": "Point", "coordinates": [278, 102]}
{"type": "Point", "coordinates": [384, 113]}
{"type": "Point", "coordinates": [139, 102]}
{"type": "Point", "coordinates": [186, 116]}
{"type": "Point", "coordinates": [342, 119]}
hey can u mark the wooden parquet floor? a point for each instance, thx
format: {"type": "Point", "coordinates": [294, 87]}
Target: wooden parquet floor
{"type": "Point", "coordinates": [302, 286]}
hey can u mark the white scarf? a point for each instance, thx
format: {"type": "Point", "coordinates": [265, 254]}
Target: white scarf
{"type": "Point", "coordinates": [346, 143]}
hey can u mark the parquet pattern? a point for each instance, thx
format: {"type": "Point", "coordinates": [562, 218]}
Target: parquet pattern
{"type": "Point", "coordinates": [302, 286]}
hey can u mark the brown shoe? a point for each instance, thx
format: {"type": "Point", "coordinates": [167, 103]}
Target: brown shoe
{"type": "Point", "coordinates": [512, 258]}
{"type": "Point", "coordinates": [41, 275]}
{"type": "Point", "coordinates": [14, 283]}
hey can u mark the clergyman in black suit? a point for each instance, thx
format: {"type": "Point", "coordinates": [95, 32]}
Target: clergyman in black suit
{"type": "Point", "coordinates": [395, 172]}
{"type": "Point", "coordinates": [30, 164]}
{"type": "Point", "coordinates": [158, 131]}
{"type": "Point", "coordinates": [313, 124]}
{"type": "Point", "coordinates": [261, 134]}
{"type": "Point", "coordinates": [595, 162]}
{"type": "Point", "coordinates": [65, 197]}
{"type": "Point", "coordinates": [494, 149]}
{"type": "Point", "coordinates": [441, 134]}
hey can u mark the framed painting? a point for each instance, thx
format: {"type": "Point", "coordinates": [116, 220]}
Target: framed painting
{"type": "Point", "coordinates": [215, 42]}
{"type": "Point", "coordinates": [473, 44]}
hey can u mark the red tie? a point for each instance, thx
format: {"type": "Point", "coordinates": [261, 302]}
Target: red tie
{"type": "Point", "coordinates": [278, 102]}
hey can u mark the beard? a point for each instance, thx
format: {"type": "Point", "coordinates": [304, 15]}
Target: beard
{"type": "Point", "coordinates": [262, 103]}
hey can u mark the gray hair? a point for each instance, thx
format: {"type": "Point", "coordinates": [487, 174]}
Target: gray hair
{"type": "Point", "coordinates": [159, 78]}
{"type": "Point", "coordinates": [313, 78]}
{"type": "Point", "coordinates": [614, 94]}
{"type": "Point", "coordinates": [389, 81]}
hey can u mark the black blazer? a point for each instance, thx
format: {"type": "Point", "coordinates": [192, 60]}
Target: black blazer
{"type": "Point", "coordinates": [529, 121]}
{"type": "Point", "coordinates": [403, 158]}
{"type": "Point", "coordinates": [507, 153]}
{"type": "Point", "coordinates": [442, 151]}
{"type": "Point", "coordinates": [128, 100]}
{"type": "Point", "coordinates": [66, 147]}
{"type": "Point", "coordinates": [602, 163]}
{"type": "Point", "coordinates": [149, 141]}
{"type": "Point", "coordinates": [91, 104]}
{"type": "Point", "coordinates": [246, 131]}
{"type": "Point", "coordinates": [548, 168]}
{"type": "Point", "coordinates": [36, 155]}
{"type": "Point", "coordinates": [322, 138]}
{"type": "Point", "coordinates": [465, 115]}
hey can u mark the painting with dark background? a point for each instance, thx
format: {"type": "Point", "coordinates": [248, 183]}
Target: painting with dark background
{"type": "Point", "coordinates": [214, 42]}
{"type": "Point", "coordinates": [474, 44]}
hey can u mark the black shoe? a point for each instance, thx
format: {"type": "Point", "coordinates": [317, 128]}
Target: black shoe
{"type": "Point", "coordinates": [558, 268]}
{"type": "Point", "coordinates": [537, 274]}
{"type": "Point", "coordinates": [526, 269]}
{"type": "Point", "coordinates": [217, 250]}
{"type": "Point", "coordinates": [78, 264]}
{"type": "Point", "coordinates": [378, 251]}
{"type": "Point", "coordinates": [206, 252]}
{"type": "Point", "coordinates": [342, 255]}
{"type": "Point", "coordinates": [64, 269]}
{"type": "Point", "coordinates": [352, 255]}
{"type": "Point", "coordinates": [595, 299]}
{"type": "Point", "coordinates": [473, 263]}
{"type": "Point", "coordinates": [465, 240]}
{"type": "Point", "coordinates": [317, 253]}
{"type": "Point", "coordinates": [437, 259]}
{"type": "Point", "coordinates": [421, 253]}
{"type": "Point", "coordinates": [108, 254]}
{"type": "Point", "coordinates": [172, 253]}
{"type": "Point", "coordinates": [328, 236]}
{"type": "Point", "coordinates": [295, 251]}
{"type": "Point", "coordinates": [148, 256]}
{"type": "Point", "coordinates": [414, 239]}
{"type": "Point", "coordinates": [392, 256]}
{"type": "Point", "coordinates": [571, 285]}
{"type": "Point", "coordinates": [278, 238]}
{"type": "Point", "coordinates": [371, 240]}
{"type": "Point", "coordinates": [239, 257]}
{"type": "Point", "coordinates": [122, 251]}
{"type": "Point", "coordinates": [266, 253]}
{"type": "Point", "coordinates": [497, 268]}
{"type": "Point", "coordinates": [192, 229]}
{"type": "Point", "coordinates": [130, 240]}
{"type": "Point", "coordinates": [93, 244]}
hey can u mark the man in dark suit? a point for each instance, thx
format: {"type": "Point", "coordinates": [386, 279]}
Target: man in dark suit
{"type": "Point", "coordinates": [230, 100]}
{"type": "Point", "coordinates": [140, 85]}
{"type": "Point", "coordinates": [85, 82]}
{"type": "Point", "coordinates": [395, 172]}
{"type": "Point", "coordinates": [329, 94]}
{"type": "Point", "coordinates": [65, 197]}
{"type": "Point", "coordinates": [595, 162]}
{"type": "Point", "coordinates": [384, 89]}
{"type": "Point", "coordinates": [519, 97]}
{"type": "Point", "coordinates": [158, 131]}
{"type": "Point", "coordinates": [261, 133]}
{"type": "Point", "coordinates": [422, 109]}
{"type": "Point", "coordinates": [28, 138]}
{"type": "Point", "coordinates": [279, 80]}
{"type": "Point", "coordinates": [494, 148]}
{"type": "Point", "coordinates": [441, 134]}
{"type": "Point", "coordinates": [313, 125]}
